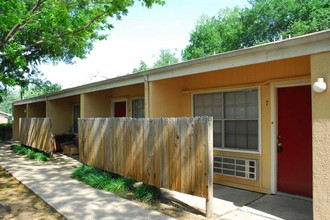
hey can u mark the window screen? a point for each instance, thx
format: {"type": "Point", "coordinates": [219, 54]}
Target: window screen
{"type": "Point", "coordinates": [138, 108]}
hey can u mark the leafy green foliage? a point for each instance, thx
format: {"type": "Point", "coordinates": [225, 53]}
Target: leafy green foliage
{"type": "Point", "coordinates": [40, 31]}
{"type": "Point", "coordinates": [115, 183]}
{"type": "Point", "coordinates": [142, 67]}
{"type": "Point", "coordinates": [9, 96]}
{"type": "Point", "coordinates": [147, 193]}
{"type": "Point", "coordinates": [30, 153]}
{"type": "Point", "coordinates": [5, 132]}
{"type": "Point", "coordinates": [264, 21]}
{"type": "Point", "coordinates": [269, 20]}
{"type": "Point", "coordinates": [36, 88]}
{"type": "Point", "coordinates": [164, 58]}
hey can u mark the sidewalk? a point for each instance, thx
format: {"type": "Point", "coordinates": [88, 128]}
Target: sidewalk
{"type": "Point", "coordinates": [74, 200]}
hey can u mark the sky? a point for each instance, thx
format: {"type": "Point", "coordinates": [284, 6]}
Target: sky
{"type": "Point", "coordinates": [138, 36]}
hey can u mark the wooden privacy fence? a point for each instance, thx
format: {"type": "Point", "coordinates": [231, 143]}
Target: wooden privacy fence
{"type": "Point", "coordinates": [36, 133]}
{"type": "Point", "coordinates": [172, 153]}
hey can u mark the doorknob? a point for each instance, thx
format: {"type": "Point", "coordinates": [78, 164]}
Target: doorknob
{"type": "Point", "coordinates": [279, 147]}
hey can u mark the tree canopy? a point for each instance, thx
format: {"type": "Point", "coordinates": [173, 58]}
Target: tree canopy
{"type": "Point", "coordinates": [41, 31]}
{"type": "Point", "coordinates": [164, 58]}
{"type": "Point", "coordinates": [264, 21]}
{"type": "Point", "coordinates": [38, 87]}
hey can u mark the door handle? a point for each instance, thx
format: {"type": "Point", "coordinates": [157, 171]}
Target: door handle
{"type": "Point", "coordinates": [279, 147]}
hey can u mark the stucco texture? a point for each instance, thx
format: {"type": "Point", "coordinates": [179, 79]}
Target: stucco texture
{"type": "Point", "coordinates": [321, 138]}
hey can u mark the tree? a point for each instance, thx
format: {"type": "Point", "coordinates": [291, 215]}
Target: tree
{"type": "Point", "coordinates": [214, 35]}
{"type": "Point", "coordinates": [10, 96]}
{"type": "Point", "coordinates": [143, 66]}
{"type": "Point", "coordinates": [270, 20]}
{"type": "Point", "coordinates": [40, 87]}
{"type": "Point", "coordinates": [164, 58]}
{"type": "Point", "coordinates": [41, 31]}
{"type": "Point", "coordinates": [264, 21]}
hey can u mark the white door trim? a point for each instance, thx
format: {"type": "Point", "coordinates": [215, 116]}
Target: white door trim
{"type": "Point", "coordinates": [273, 112]}
{"type": "Point", "coordinates": [113, 106]}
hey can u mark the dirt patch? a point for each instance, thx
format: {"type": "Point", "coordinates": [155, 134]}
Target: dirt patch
{"type": "Point", "coordinates": [18, 202]}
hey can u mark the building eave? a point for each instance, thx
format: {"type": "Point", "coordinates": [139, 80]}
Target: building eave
{"type": "Point", "coordinates": [299, 46]}
{"type": "Point", "coordinates": [313, 43]}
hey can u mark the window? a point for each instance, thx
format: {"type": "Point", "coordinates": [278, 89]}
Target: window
{"type": "Point", "coordinates": [138, 108]}
{"type": "Point", "coordinates": [76, 115]}
{"type": "Point", "coordinates": [235, 117]}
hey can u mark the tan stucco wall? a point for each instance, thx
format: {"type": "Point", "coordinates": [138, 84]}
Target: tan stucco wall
{"type": "Point", "coordinates": [61, 113]}
{"type": "Point", "coordinates": [37, 110]}
{"type": "Point", "coordinates": [166, 98]}
{"type": "Point", "coordinates": [96, 104]}
{"type": "Point", "coordinates": [99, 104]}
{"type": "Point", "coordinates": [19, 111]}
{"type": "Point", "coordinates": [321, 138]}
{"type": "Point", "coordinates": [127, 93]}
{"type": "Point", "coordinates": [173, 98]}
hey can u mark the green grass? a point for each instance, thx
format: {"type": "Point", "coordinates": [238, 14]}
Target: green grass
{"type": "Point", "coordinates": [116, 184]}
{"type": "Point", "coordinates": [30, 153]}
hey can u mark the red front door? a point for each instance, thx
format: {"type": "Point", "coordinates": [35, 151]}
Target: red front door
{"type": "Point", "coordinates": [294, 145]}
{"type": "Point", "coordinates": [120, 109]}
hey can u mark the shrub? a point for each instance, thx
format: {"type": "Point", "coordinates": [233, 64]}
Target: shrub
{"type": "Point", "coordinates": [115, 183]}
{"type": "Point", "coordinates": [30, 153]}
{"type": "Point", "coordinates": [147, 193]}
{"type": "Point", "coordinates": [41, 157]}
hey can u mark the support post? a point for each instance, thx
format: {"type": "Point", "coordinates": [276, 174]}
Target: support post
{"type": "Point", "coordinates": [209, 199]}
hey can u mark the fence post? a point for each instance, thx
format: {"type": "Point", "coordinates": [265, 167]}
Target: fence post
{"type": "Point", "coordinates": [209, 199]}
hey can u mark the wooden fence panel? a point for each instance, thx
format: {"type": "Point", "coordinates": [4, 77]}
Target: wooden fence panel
{"type": "Point", "coordinates": [36, 133]}
{"type": "Point", "coordinates": [172, 153]}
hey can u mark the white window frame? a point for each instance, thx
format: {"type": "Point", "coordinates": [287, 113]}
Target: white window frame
{"type": "Point", "coordinates": [259, 149]}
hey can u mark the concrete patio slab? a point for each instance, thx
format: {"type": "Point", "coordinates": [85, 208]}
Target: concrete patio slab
{"type": "Point", "coordinates": [231, 203]}
{"type": "Point", "coordinates": [281, 207]}
{"type": "Point", "coordinates": [74, 200]}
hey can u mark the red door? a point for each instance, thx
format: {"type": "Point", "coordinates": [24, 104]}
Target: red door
{"type": "Point", "coordinates": [120, 109]}
{"type": "Point", "coordinates": [294, 145]}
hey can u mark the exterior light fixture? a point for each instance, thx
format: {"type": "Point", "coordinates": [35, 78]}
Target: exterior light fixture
{"type": "Point", "coordinates": [319, 85]}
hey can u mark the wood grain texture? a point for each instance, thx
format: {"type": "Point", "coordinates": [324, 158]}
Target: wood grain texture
{"type": "Point", "coordinates": [172, 153]}
{"type": "Point", "coordinates": [36, 133]}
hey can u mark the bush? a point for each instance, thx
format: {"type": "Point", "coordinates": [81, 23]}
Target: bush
{"type": "Point", "coordinates": [147, 193]}
{"type": "Point", "coordinates": [30, 153]}
{"type": "Point", "coordinates": [41, 157]}
{"type": "Point", "coordinates": [116, 184]}
{"type": "Point", "coordinates": [5, 132]}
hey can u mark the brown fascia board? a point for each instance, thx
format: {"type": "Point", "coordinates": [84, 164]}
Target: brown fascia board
{"type": "Point", "coordinates": [298, 46]}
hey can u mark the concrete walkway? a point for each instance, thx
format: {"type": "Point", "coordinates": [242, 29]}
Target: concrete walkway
{"type": "Point", "coordinates": [74, 200]}
{"type": "Point", "coordinates": [236, 204]}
